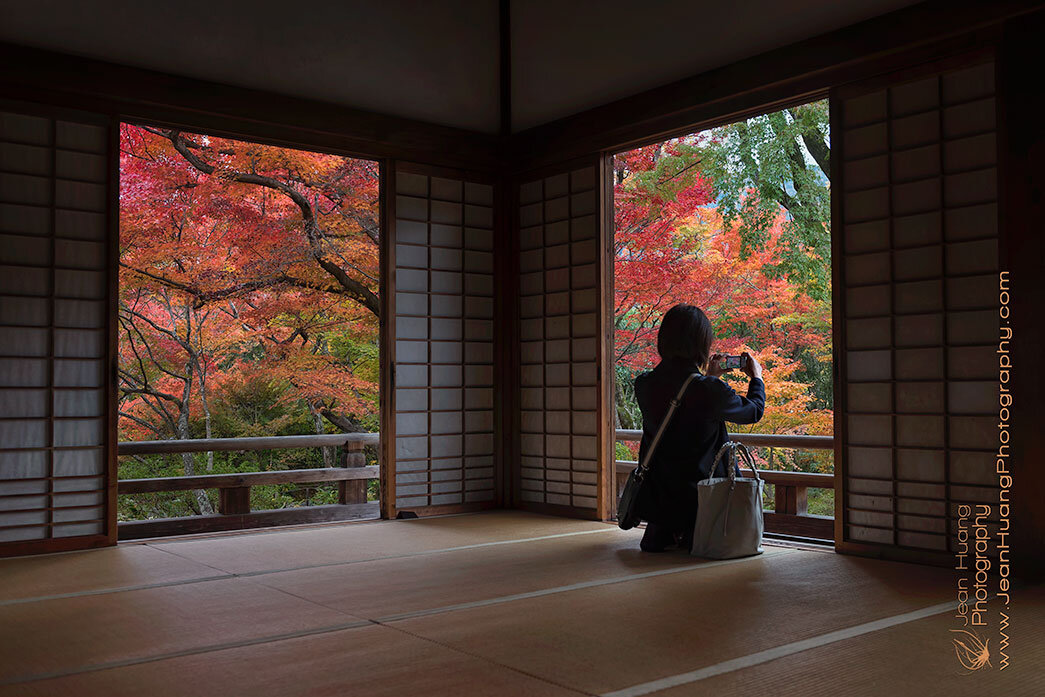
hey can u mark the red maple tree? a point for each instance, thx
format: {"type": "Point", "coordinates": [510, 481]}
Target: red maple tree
{"type": "Point", "coordinates": [672, 246]}
{"type": "Point", "coordinates": [243, 263]}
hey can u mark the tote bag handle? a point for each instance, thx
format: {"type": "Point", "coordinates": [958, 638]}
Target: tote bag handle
{"type": "Point", "coordinates": [745, 457]}
{"type": "Point", "coordinates": [644, 465]}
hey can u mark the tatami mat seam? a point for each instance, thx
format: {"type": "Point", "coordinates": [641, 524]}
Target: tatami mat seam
{"type": "Point", "coordinates": [485, 659]}
{"type": "Point", "coordinates": [382, 621]}
{"type": "Point", "coordinates": [427, 552]}
{"type": "Point", "coordinates": [189, 559]}
{"type": "Point", "coordinates": [110, 665]}
{"type": "Point", "coordinates": [111, 591]}
{"type": "Point", "coordinates": [777, 652]}
{"type": "Point", "coordinates": [594, 583]}
{"type": "Point", "coordinates": [227, 575]}
{"type": "Point", "coordinates": [311, 601]}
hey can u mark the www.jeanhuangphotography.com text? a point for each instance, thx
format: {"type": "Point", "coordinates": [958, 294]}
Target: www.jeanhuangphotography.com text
{"type": "Point", "coordinates": [982, 558]}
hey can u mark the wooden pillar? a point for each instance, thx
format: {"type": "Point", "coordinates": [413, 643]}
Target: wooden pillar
{"type": "Point", "coordinates": [1021, 149]}
{"type": "Point", "coordinates": [353, 491]}
{"type": "Point", "coordinates": [234, 500]}
{"type": "Point", "coordinates": [791, 499]}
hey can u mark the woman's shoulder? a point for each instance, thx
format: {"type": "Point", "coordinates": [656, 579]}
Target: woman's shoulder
{"type": "Point", "coordinates": [705, 389]}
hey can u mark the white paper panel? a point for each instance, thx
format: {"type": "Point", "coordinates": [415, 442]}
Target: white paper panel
{"type": "Point", "coordinates": [919, 263]}
{"type": "Point", "coordinates": [53, 322]}
{"type": "Point", "coordinates": [444, 349]}
{"type": "Point", "coordinates": [558, 249]}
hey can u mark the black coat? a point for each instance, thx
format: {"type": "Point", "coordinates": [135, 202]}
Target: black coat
{"type": "Point", "coordinates": [694, 436]}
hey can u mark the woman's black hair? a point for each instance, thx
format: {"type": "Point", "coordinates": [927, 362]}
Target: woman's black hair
{"type": "Point", "coordinates": [685, 333]}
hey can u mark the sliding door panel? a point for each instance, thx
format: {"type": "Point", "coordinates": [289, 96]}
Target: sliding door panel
{"type": "Point", "coordinates": [55, 388]}
{"type": "Point", "coordinates": [918, 304]}
{"type": "Point", "coordinates": [443, 341]}
{"type": "Point", "coordinates": [559, 343]}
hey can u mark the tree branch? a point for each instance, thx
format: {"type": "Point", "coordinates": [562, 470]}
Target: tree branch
{"type": "Point", "coordinates": [353, 288]}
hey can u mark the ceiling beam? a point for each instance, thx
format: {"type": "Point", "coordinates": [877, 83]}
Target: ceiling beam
{"type": "Point", "coordinates": [771, 79]}
{"type": "Point", "coordinates": [804, 69]}
{"type": "Point", "coordinates": [136, 94]}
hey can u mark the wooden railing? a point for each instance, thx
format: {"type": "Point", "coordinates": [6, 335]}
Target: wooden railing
{"type": "Point", "coordinates": [791, 515]}
{"type": "Point", "coordinates": [234, 510]}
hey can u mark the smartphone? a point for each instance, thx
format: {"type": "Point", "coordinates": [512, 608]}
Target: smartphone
{"type": "Point", "coordinates": [731, 362]}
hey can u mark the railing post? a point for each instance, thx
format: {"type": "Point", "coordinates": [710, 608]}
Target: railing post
{"type": "Point", "coordinates": [791, 499]}
{"type": "Point", "coordinates": [801, 500]}
{"type": "Point", "coordinates": [621, 479]}
{"type": "Point", "coordinates": [234, 500]}
{"type": "Point", "coordinates": [353, 491]}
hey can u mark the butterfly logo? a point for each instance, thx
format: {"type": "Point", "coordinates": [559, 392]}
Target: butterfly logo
{"type": "Point", "coordinates": [971, 650]}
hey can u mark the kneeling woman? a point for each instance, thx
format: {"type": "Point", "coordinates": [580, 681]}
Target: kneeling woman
{"type": "Point", "coordinates": [697, 430]}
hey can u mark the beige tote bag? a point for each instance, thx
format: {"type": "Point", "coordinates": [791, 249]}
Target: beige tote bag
{"type": "Point", "coordinates": [729, 514]}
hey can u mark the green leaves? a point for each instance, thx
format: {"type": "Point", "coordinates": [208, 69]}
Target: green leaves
{"type": "Point", "coordinates": [735, 220]}
{"type": "Point", "coordinates": [774, 161]}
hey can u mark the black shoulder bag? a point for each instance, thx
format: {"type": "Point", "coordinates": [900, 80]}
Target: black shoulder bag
{"type": "Point", "coordinates": [627, 507]}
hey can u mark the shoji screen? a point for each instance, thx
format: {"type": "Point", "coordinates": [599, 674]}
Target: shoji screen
{"type": "Point", "coordinates": [916, 188]}
{"type": "Point", "coordinates": [54, 339]}
{"type": "Point", "coordinates": [559, 349]}
{"type": "Point", "coordinates": [443, 341]}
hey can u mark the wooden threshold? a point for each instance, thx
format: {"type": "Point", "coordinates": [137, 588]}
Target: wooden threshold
{"type": "Point", "coordinates": [246, 479]}
{"type": "Point", "coordinates": [164, 527]}
{"type": "Point", "coordinates": [811, 526]}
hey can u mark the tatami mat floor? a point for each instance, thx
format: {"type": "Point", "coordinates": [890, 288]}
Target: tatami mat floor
{"type": "Point", "coordinates": [498, 603]}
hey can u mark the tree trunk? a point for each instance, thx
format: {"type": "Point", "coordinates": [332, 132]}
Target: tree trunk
{"type": "Point", "coordinates": [328, 453]}
{"type": "Point", "coordinates": [206, 421]}
{"type": "Point", "coordinates": [202, 500]}
{"type": "Point", "coordinates": [343, 422]}
{"type": "Point", "coordinates": [625, 411]}
{"type": "Point", "coordinates": [187, 461]}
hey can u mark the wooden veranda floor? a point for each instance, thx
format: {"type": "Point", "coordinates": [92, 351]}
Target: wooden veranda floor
{"type": "Point", "coordinates": [499, 603]}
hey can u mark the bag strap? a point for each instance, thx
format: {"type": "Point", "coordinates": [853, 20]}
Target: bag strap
{"type": "Point", "coordinates": [644, 466]}
{"type": "Point", "coordinates": [733, 447]}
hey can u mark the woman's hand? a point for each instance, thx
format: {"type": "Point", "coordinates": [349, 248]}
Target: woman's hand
{"type": "Point", "coordinates": [752, 367]}
{"type": "Point", "coordinates": [715, 365]}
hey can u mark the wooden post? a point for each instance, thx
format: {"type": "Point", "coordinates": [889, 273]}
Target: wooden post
{"type": "Point", "coordinates": [801, 500]}
{"type": "Point", "coordinates": [234, 500]}
{"type": "Point", "coordinates": [621, 479]}
{"type": "Point", "coordinates": [352, 491]}
{"type": "Point", "coordinates": [791, 499]}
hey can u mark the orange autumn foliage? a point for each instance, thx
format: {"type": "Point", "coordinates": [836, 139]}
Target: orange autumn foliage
{"type": "Point", "coordinates": [672, 246]}
{"type": "Point", "coordinates": [229, 261]}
